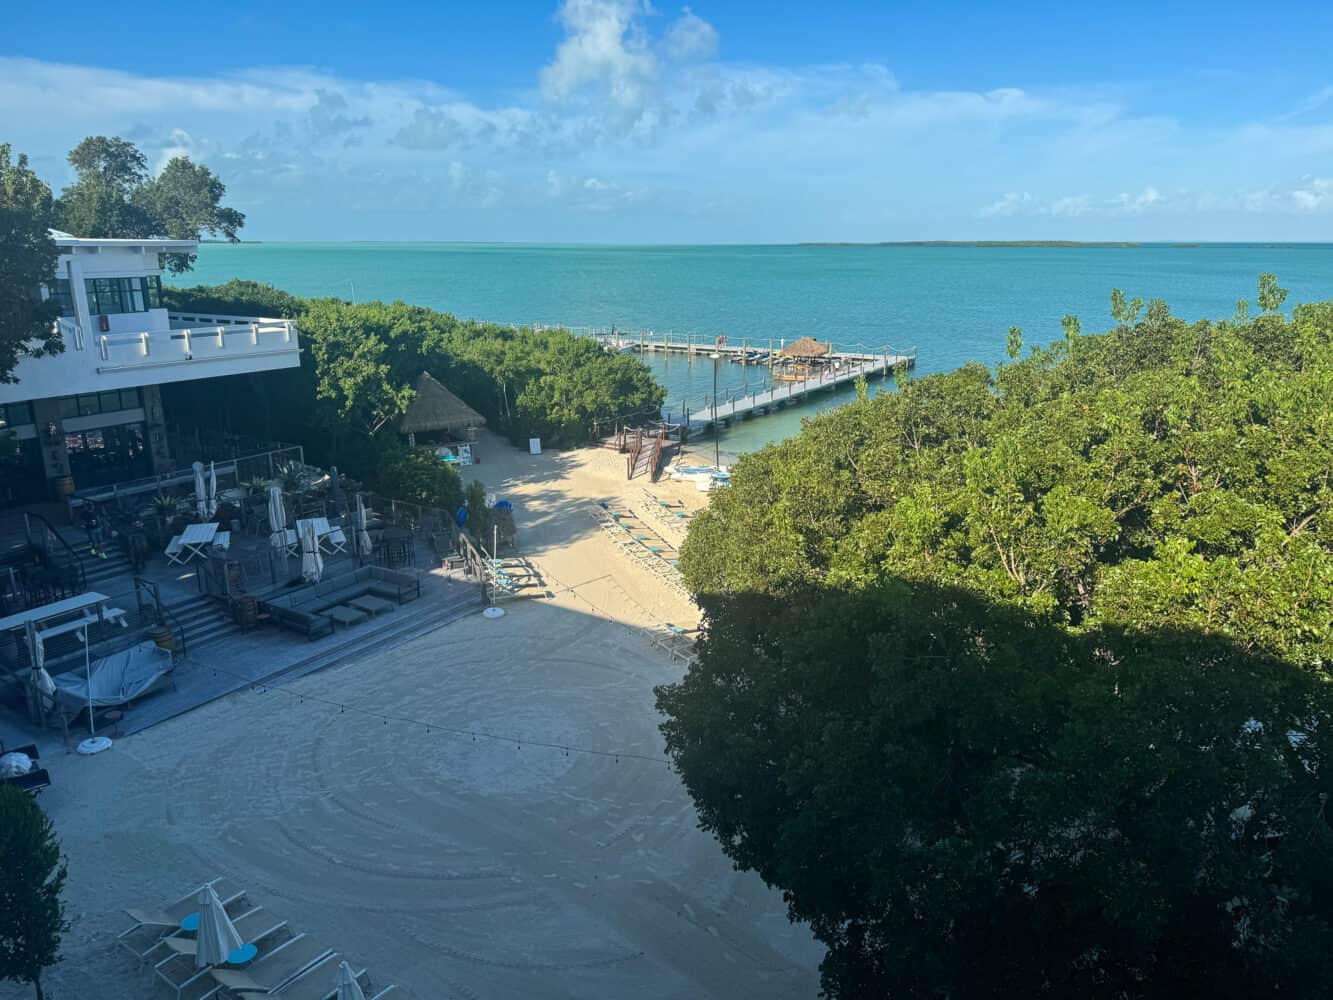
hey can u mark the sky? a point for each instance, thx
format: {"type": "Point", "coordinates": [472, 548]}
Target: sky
{"type": "Point", "coordinates": [621, 121]}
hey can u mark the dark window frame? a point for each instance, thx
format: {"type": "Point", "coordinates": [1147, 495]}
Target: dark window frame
{"type": "Point", "coordinates": [118, 296]}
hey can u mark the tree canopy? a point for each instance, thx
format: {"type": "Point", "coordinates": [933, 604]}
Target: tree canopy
{"type": "Point", "coordinates": [965, 800]}
{"type": "Point", "coordinates": [1163, 473]}
{"type": "Point", "coordinates": [360, 361]}
{"type": "Point", "coordinates": [32, 877]}
{"type": "Point", "coordinates": [28, 258]}
{"type": "Point", "coordinates": [115, 196]}
{"type": "Point", "coordinates": [1015, 681]}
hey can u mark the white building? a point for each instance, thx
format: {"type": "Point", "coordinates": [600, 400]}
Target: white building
{"type": "Point", "coordinates": [92, 415]}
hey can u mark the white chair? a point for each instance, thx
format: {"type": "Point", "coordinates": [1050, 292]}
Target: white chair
{"type": "Point", "coordinates": [222, 540]}
{"type": "Point", "coordinates": [176, 552]}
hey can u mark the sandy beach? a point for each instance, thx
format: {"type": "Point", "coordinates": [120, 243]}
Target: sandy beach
{"type": "Point", "coordinates": [451, 813]}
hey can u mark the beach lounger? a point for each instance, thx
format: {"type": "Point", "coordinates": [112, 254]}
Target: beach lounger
{"type": "Point", "coordinates": [178, 970]}
{"type": "Point", "coordinates": [176, 552]}
{"type": "Point", "coordinates": [160, 923]}
{"type": "Point", "coordinates": [316, 983]}
{"type": "Point", "coordinates": [276, 969]}
{"type": "Point", "coordinates": [32, 782]}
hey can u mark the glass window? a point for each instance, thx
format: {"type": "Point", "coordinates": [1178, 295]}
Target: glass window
{"type": "Point", "coordinates": [94, 440]}
{"type": "Point", "coordinates": [108, 401]}
{"type": "Point", "coordinates": [120, 295]}
{"type": "Point", "coordinates": [15, 414]}
{"type": "Point", "coordinates": [60, 294]}
{"type": "Point", "coordinates": [73, 442]}
{"type": "Point", "coordinates": [69, 407]}
{"type": "Point", "coordinates": [129, 399]}
{"type": "Point", "coordinates": [88, 406]}
{"type": "Point", "coordinates": [154, 284]}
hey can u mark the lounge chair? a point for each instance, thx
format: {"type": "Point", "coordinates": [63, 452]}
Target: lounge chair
{"type": "Point", "coordinates": [222, 541]}
{"type": "Point", "coordinates": [276, 969]}
{"type": "Point", "coordinates": [316, 983]}
{"type": "Point", "coordinates": [178, 970]}
{"type": "Point", "coordinates": [167, 921]}
{"type": "Point", "coordinates": [32, 782]}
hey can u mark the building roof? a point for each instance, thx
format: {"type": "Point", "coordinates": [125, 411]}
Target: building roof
{"type": "Point", "coordinates": [806, 347]}
{"type": "Point", "coordinates": [435, 408]}
{"type": "Point", "coordinates": [64, 240]}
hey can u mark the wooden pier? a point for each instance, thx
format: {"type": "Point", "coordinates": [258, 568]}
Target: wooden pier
{"type": "Point", "coordinates": [834, 369]}
{"type": "Point", "coordinates": [830, 370]}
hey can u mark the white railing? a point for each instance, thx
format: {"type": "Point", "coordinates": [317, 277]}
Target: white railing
{"type": "Point", "coordinates": [71, 333]}
{"type": "Point", "coordinates": [223, 337]}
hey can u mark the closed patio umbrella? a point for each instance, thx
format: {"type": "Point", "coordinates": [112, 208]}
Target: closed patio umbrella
{"type": "Point", "coordinates": [218, 936]}
{"type": "Point", "coordinates": [277, 518]}
{"type": "Point", "coordinates": [212, 490]}
{"type": "Point", "coordinates": [345, 983]}
{"type": "Point", "coordinates": [363, 545]}
{"type": "Point", "coordinates": [40, 678]}
{"type": "Point", "coordinates": [312, 563]}
{"type": "Point", "coordinates": [200, 491]}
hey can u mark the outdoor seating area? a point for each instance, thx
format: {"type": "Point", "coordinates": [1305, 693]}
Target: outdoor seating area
{"type": "Point", "coordinates": [214, 943]}
{"type": "Point", "coordinates": [347, 599]}
{"type": "Point", "coordinates": [631, 534]}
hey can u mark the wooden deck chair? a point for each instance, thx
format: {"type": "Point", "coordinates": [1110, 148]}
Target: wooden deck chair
{"type": "Point", "coordinates": [155, 925]}
{"type": "Point", "coordinates": [274, 970]}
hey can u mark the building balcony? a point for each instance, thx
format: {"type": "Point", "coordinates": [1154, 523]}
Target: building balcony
{"type": "Point", "coordinates": [192, 347]}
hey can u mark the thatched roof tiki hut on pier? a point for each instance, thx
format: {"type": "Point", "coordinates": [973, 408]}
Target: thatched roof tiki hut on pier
{"type": "Point", "coordinates": [803, 359]}
{"type": "Point", "coordinates": [437, 414]}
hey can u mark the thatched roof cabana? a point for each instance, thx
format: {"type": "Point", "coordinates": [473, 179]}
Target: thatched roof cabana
{"type": "Point", "coordinates": [435, 408]}
{"type": "Point", "coordinates": [806, 347]}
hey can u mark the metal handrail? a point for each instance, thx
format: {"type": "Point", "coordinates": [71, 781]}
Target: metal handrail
{"type": "Point", "coordinates": [51, 532]}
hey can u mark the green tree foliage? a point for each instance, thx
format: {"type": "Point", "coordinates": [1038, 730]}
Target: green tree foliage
{"type": "Point", "coordinates": [28, 258]}
{"type": "Point", "coordinates": [32, 877]}
{"type": "Point", "coordinates": [1173, 474]}
{"type": "Point", "coordinates": [1014, 345]}
{"type": "Point", "coordinates": [115, 196]}
{"type": "Point", "coordinates": [359, 362]}
{"type": "Point", "coordinates": [418, 475]}
{"type": "Point", "coordinates": [964, 799]}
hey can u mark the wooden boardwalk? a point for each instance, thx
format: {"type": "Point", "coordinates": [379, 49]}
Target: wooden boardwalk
{"type": "Point", "coordinates": [842, 367]}
{"type": "Point", "coordinates": [739, 404]}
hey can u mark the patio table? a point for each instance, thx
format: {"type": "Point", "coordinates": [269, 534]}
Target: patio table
{"type": "Point", "coordinates": [197, 537]}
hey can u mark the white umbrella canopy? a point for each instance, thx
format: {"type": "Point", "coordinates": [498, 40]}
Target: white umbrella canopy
{"type": "Point", "coordinates": [217, 936]}
{"type": "Point", "coordinates": [347, 986]}
{"type": "Point", "coordinates": [312, 564]}
{"type": "Point", "coordinates": [277, 517]}
{"type": "Point", "coordinates": [42, 681]}
{"type": "Point", "coordinates": [212, 490]}
{"type": "Point", "coordinates": [200, 491]}
{"type": "Point", "coordinates": [363, 545]}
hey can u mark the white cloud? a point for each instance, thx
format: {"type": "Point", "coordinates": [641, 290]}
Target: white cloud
{"type": "Point", "coordinates": [636, 118]}
{"type": "Point", "coordinates": [690, 38]}
{"type": "Point", "coordinates": [605, 45]}
{"type": "Point", "coordinates": [1137, 204]}
{"type": "Point", "coordinates": [1012, 203]}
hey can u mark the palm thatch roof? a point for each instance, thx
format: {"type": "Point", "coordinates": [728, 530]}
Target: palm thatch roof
{"type": "Point", "coordinates": [435, 408]}
{"type": "Point", "coordinates": [806, 347]}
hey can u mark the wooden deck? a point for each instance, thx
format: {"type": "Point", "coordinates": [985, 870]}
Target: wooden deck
{"type": "Point", "coordinates": [840, 368]}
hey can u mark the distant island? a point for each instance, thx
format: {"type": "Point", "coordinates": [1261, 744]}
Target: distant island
{"type": "Point", "coordinates": [971, 243]}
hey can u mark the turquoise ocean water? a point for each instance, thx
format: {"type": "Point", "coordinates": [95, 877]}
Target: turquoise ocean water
{"type": "Point", "coordinates": [951, 304]}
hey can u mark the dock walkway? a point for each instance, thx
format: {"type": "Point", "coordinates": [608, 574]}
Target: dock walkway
{"type": "Point", "coordinates": [842, 367]}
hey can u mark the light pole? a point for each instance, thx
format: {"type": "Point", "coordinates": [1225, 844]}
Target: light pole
{"type": "Point", "coordinates": [717, 356]}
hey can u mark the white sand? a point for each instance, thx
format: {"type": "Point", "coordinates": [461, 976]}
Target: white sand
{"type": "Point", "coordinates": [451, 867]}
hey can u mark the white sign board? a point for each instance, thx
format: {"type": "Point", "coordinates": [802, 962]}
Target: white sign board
{"type": "Point", "coordinates": [534, 446]}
